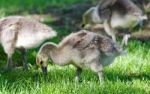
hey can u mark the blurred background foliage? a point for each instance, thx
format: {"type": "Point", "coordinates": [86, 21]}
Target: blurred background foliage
{"type": "Point", "coordinates": [33, 6]}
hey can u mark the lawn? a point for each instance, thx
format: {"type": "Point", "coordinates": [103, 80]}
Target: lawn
{"type": "Point", "coordinates": [128, 74]}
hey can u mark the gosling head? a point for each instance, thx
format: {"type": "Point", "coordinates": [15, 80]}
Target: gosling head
{"type": "Point", "coordinates": [91, 17]}
{"type": "Point", "coordinates": [42, 61]}
{"type": "Point", "coordinates": [43, 56]}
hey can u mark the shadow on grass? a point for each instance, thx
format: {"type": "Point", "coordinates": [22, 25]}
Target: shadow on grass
{"type": "Point", "coordinates": [34, 76]}
{"type": "Point", "coordinates": [64, 74]}
{"type": "Point", "coordinates": [126, 76]}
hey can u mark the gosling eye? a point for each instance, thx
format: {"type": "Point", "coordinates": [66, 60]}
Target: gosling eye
{"type": "Point", "coordinates": [41, 62]}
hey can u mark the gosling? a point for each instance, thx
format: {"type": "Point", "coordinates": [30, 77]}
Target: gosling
{"type": "Point", "coordinates": [17, 32]}
{"type": "Point", "coordinates": [83, 49]}
{"type": "Point", "coordinates": [114, 14]}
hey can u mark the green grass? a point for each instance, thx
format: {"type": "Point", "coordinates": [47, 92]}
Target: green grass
{"type": "Point", "coordinates": [129, 74]}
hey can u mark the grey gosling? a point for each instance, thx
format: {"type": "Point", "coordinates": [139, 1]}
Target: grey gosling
{"type": "Point", "coordinates": [83, 49]}
{"type": "Point", "coordinates": [17, 32]}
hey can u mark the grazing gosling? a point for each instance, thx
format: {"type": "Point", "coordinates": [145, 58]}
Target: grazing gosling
{"type": "Point", "coordinates": [83, 49]}
{"type": "Point", "coordinates": [17, 32]}
{"type": "Point", "coordinates": [114, 14]}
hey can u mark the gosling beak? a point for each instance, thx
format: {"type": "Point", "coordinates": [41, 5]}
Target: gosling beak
{"type": "Point", "coordinates": [44, 70]}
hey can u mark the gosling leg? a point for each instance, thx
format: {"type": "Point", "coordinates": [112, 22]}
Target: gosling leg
{"type": "Point", "coordinates": [9, 50]}
{"type": "Point", "coordinates": [9, 63]}
{"type": "Point", "coordinates": [100, 75]}
{"type": "Point", "coordinates": [24, 58]}
{"type": "Point", "coordinates": [98, 68]}
{"type": "Point", "coordinates": [78, 73]}
{"type": "Point", "coordinates": [125, 39]}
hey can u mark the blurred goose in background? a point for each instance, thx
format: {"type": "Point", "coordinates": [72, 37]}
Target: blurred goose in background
{"type": "Point", "coordinates": [21, 33]}
{"type": "Point", "coordinates": [114, 14]}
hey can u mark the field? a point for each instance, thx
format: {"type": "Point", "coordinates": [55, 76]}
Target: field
{"type": "Point", "coordinates": [129, 74]}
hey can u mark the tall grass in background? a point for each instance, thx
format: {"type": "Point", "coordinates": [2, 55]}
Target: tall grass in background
{"type": "Point", "coordinates": [12, 6]}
